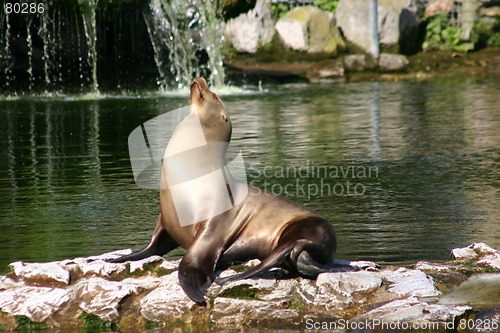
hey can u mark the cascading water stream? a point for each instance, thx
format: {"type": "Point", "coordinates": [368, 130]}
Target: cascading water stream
{"type": "Point", "coordinates": [89, 8]}
{"type": "Point", "coordinates": [186, 38]}
{"type": "Point", "coordinates": [88, 45]}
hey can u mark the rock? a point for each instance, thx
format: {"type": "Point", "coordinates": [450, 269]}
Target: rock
{"type": "Point", "coordinates": [251, 30]}
{"type": "Point", "coordinates": [36, 303]}
{"type": "Point", "coordinates": [310, 29]}
{"type": "Point", "coordinates": [103, 269]}
{"type": "Point", "coordinates": [140, 265]}
{"type": "Point", "coordinates": [41, 273]}
{"type": "Point", "coordinates": [385, 294]}
{"type": "Point", "coordinates": [428, 266]}
{"type": "Point", "coordinates": [282, 290]}
{"type": "Point", "coordinates": [336, 290]}
{"type": "Point", "coordinates": [330, 71]}
{"type": "Point", "coordinates": [397, 23]}
{"type": "Point", "coordinates": [438, 6]}
{"type": "Point", "coordinates": [392, 62]}
{"type": "Point", "coordinates": [480, 290]}
{"type": "Point", "coordinates": [102, 297]}
{"type": "Point", "coordinates": [230, 311]}
{"type": "Point", "coordinates": [355, 62]}
{"type": "Point", "coordinates": [491, 261]}
{"type": "Point", "coordinates": [413, 282]}
{"type": "Point", "coordinates": [168, 301]}
{"type": "Point", "coordinates": [473, 252]}
{"type": "Point", "coordinates": [405, 312]}
{"type": "Point", "coordinates": [347, 283]}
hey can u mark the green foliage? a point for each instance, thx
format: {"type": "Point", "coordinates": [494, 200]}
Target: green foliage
{"type": "Point", "coordinates": [441, 35]}
{"type": "Point", "coordinates": [243, 291]}
{"type": "Point", "coordinates": [279, 10]}
{"type": "Point", "coordinates": [328, 5]}
{"type": "Point", "coordinates": [91, 321]}
{"type": "Point", "coordinates": [26, 325]}
{"type": "Point", "coordinates": [488, 35]}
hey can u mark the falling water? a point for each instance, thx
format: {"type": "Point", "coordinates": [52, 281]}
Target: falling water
{"type": "Point", "coordinates": [186, 37]}
{"type": "Point", "coordinates": [89, 8]}
{"type": "Point", "coordinates": [88, 45]}
{"type": "Point", "coordinates": [29, 43]}
{"type": "Point", "coordinates": [5, 55]}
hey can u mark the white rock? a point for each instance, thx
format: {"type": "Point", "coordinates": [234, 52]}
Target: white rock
{"type": "Point", "coordinates": [102, 297]}
{"type": "Point", "coordinates": [307, 291]}
{"type": "Point", "coordinates": [361, 264]}
{"type": "Point", "coordinates": [411, 310]}
{"type": "Point", "coordinates": [50, 272]}
{"type": "Point", "coordinates": [139, 264]}
{"type": "Point", "coordinates": [146, 282]}
{"type": "Point", "coordinates": [102, 268]}
{"type": "Point", "coordinates": [428, 266]}
{"type": "Point", "coordinates": [167, 301]}
{"type": "Point", "coordinates": [36, 303]}
{"type": "Point", "coordinates": [170, 264]}
{"type": "Point", "coordinates": [231, 311]}
{"type": "Point", "coordinates": [251, 30]}
{"type": "Point", "coordinates": [392, 62]}
{"type": "Point", "coordinates": [281, 290]}
{"type": "Point", "coordinates": [6, 282]}
{"type": "Point", "coordinates": [347, 283]}
{"type": "Point", "coordinates": [252, 263]}
{"type": "Point", "coordinates": [490, 261]}
{"type": "Point", "coordinates": [307, 28]}
{"type": "Point", "coordinates": [410, 282]}
{"type": "Point", "coordinates": [473, 251]}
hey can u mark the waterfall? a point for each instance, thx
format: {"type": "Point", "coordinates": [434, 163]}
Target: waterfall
{"type": "Point", "coordinates": [186, 37]}
{"type": "Point", "coordinates": [91, 45]}
{"type": "Point", "coordinates": [89, 8]}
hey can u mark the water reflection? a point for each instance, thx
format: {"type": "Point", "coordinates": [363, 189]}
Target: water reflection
{"type": "Point", "coordinates": [66, 187]}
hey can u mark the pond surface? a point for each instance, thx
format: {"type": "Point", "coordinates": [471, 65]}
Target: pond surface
{"type": "Point", "coordinates": [404, 170]}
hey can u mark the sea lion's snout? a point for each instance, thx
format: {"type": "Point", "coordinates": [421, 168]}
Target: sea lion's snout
{"type": "Point", "coordinates": [198, 90]}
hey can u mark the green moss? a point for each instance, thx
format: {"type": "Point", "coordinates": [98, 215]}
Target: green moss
{"type": "Point", "coordinates": [150, 324]}
{"type": "Point", "coordinates": [243, 291]}
{"type": "Point", "coordinates": [93, 322]}
{"type": "Point", "coordinates": [27, 325]}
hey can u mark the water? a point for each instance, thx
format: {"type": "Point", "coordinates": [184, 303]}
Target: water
{"type": "Point", "coordinates": [424, 155]}
{"type": "Point", "coordinates": [87, 46]}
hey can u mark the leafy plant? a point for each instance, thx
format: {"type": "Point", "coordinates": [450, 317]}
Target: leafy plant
{"type": "Point", "coordinates": [328, 5]}
{"type": "Point", "coordinates": [441, 35]}
{"type": "Point", "coordinates": [279, 10]}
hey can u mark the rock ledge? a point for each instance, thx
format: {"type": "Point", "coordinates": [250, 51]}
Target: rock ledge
{"type": "Point", "coordinates": [84, 293]}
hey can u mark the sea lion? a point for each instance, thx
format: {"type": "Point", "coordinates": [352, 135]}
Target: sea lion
{"type": "Point", "coordinates": [261, 225]}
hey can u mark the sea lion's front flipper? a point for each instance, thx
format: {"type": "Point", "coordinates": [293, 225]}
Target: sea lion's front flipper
{"type": "Point", "coordinates": [161, 243]}
{"type": "Point", "coordinates": [196, 270]}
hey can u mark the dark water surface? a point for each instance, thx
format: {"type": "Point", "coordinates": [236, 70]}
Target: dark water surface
{"type": "Point", "coordinates": [404, 170]}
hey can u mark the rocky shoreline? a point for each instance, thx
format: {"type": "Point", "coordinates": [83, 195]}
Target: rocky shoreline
{"type": "Point", "coordinates": [86, 293]}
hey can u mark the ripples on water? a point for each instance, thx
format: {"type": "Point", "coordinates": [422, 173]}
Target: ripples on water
{"type": "Point", "coordinates": [67, 190]}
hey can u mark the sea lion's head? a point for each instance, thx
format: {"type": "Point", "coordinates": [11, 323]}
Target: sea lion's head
{"type": "Point", "coordinates": [210, 109]}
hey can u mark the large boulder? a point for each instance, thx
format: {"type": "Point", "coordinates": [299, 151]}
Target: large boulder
{"type": "Point", "coordinates": [251, 30]}
{"type": "Point", "coordinates": [310, 29]}
{"type": "Point", "coordinates": [397, 23]}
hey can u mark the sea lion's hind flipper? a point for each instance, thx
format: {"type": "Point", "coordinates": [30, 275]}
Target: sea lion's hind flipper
{"type": "Point", "coordinates": [310, 268]}
{"type": "Point", "coordinates": [161, 243]}
{"type": "Point", "coordinates": [275, 259]}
